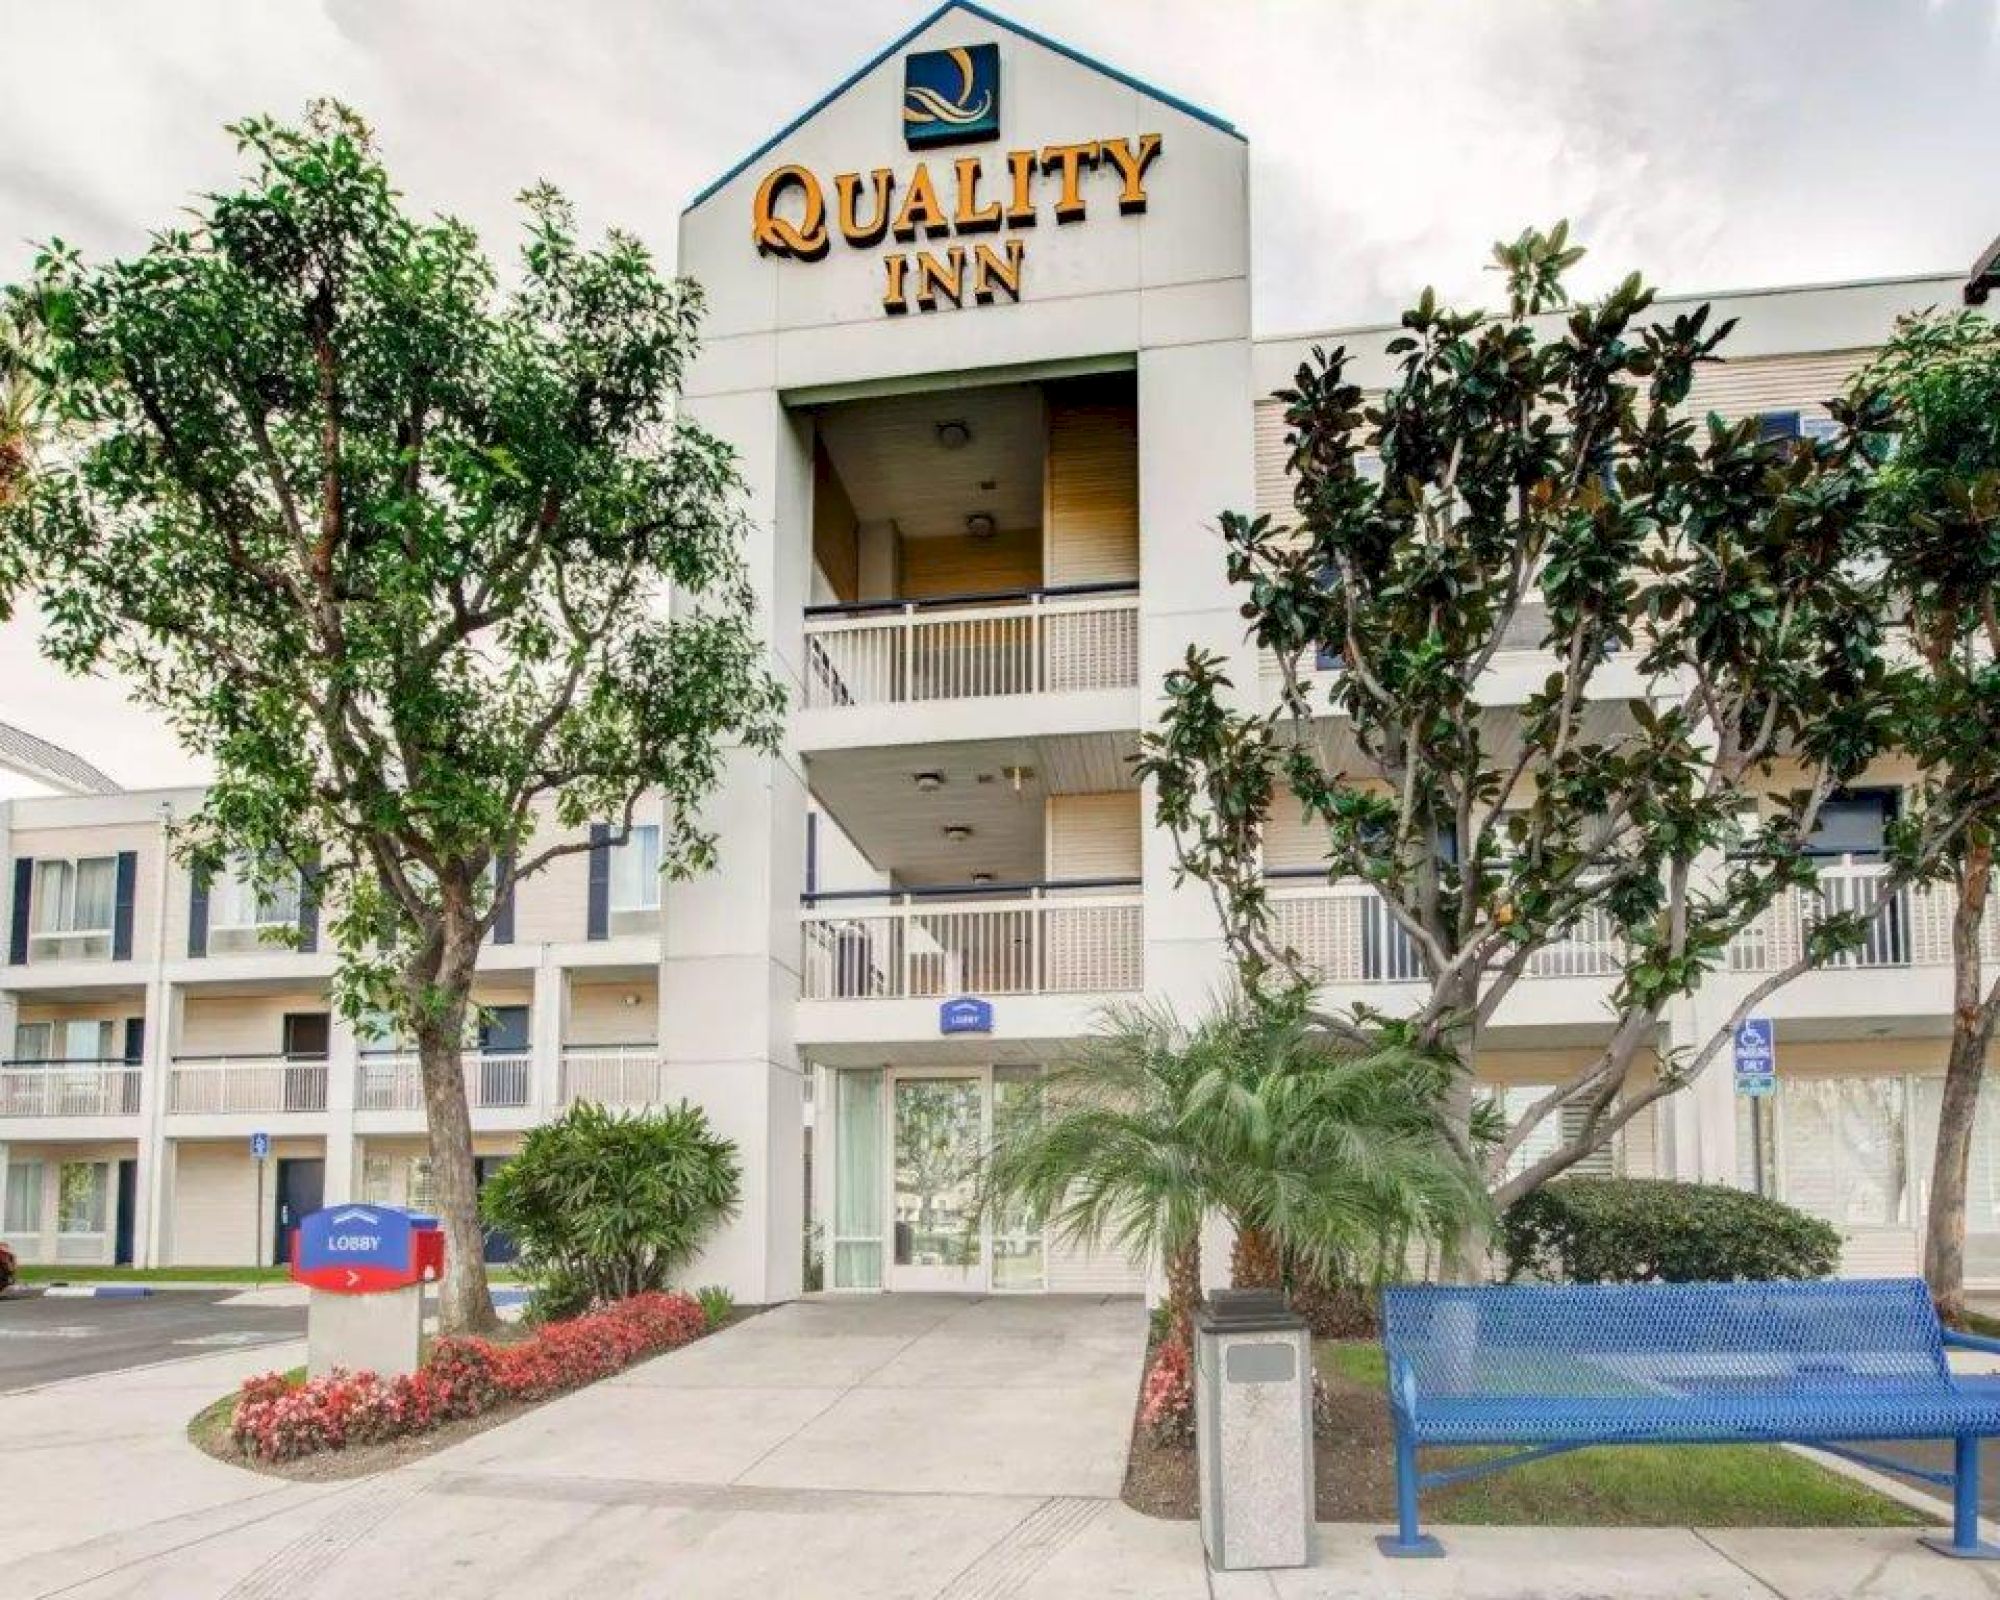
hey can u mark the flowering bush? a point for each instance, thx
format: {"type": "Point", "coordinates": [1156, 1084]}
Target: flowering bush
{"type": "Point", "coordinates": [279, 1420]}
{"type": "Point", "coordinates": [1166, 1400]}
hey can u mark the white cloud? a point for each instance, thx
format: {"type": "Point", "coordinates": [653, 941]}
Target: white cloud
{"type": "Point", "coordinates": [1713, 143]}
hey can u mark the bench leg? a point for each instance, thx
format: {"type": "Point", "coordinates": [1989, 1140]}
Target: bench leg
{"type": "Point", "coordinates": [1407, 1541]}
{"type": "Point", "coordinates": [1965, 1543]}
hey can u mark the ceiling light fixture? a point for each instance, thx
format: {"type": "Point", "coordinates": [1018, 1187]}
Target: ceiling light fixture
{"type": "Point", "coordinates": [982, 877]}
{"type": "Point", "coordinates": [954, 435]}
{"type": "Point", "coordinates": [928, 782]}
{"type": "Point", "coordinates": [957, 832]}
{"type": "Point", "coordinates": [980, 525]}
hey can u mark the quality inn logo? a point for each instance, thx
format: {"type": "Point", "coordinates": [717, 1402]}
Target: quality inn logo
{"type": "Point", "coordinates": [951, 96]}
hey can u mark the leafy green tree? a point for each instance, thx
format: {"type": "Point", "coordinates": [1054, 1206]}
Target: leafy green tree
{"type": "Point", "coordinates": [391, 545]}
{"type": "Point", "coordinates": [1308, 1148]}
{"type": "Point", "coordinates": [1692, 607]}
{"type": "Point", "coordinates": [605, 1205]}
{"type": "Point", "coordinates": [1937, 517]}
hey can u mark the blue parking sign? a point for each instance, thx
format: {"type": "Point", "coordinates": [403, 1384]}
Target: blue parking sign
{"type": "Point", "coordinates": [260, 1146]}
{"type": "Point", "coordinates": [1756, 1056]}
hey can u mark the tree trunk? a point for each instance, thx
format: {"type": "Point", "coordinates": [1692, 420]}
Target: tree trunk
{"type": "Point", "coordinates": [1255, 1261]}
{"type": "Point", "coordinates": [1183, 1290]}
{"type": "Point", "coordinates": [1464, 1254]}
{"type": "Point", "coordinates": [1971, 1037]}
{"type": "Point", "coordinates": [465, 1303]}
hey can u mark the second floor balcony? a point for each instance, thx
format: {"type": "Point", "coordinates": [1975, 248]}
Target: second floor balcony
{"type": "Point", "coordinates": [1079, 637]}
{"type": "Point", "coordinates": [1083, 936]}
{"type": "Point", "coordinates": [88, 1088]}
{"type": "Point", "coordinates": [229, 1085]}
{"type": "Point", "coordinates": [495, 1080]}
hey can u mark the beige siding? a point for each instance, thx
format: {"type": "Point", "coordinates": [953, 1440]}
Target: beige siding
{"type": "Point", "coordinates": [1093, 482]}
{"type": "Point", "coordinates": [1075, 1269]}
{"type": "Point", "coordinates": [215, 1219]}
{"type": "Point", "coordinates": [836, 541]}
{"type": "Point", "coordinates": [241, 1025]}
{"type": "Point", "coordinates": [553, 906]}
{"type": "Point", "coordinates": [1011, 559]}
{"type": "Point", "coordinates": [1738, 389]}
{"type": "Point", "coordinates": [1274, 483]}
{"type": "Point", "coordinates": [1093, 835]}
{"type": "Point", "coordinates": [598, 1013]}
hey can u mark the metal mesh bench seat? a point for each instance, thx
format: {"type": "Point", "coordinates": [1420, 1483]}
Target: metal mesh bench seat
{"type": "Point", "coordinates": [1556, 1367]}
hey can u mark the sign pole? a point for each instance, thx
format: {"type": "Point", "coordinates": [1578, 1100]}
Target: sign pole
{"type": "Point", "coordinates": [257, 1221]}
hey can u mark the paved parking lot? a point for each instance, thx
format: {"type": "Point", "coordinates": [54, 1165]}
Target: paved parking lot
{"type": "Point", "coordinates": [45, 1338]}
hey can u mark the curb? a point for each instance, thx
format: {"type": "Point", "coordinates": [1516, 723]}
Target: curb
{"type": "Point", "coordinates": [97, 1291]}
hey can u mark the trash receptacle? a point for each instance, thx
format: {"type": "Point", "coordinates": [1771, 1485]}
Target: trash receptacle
{"type": "Point", "coordinates": [1253, 1399]}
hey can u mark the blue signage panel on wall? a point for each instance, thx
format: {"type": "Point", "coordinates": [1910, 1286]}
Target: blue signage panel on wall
{"type": "Point", "coordinates": [951, 96]}
{"type": "Point", "coordinates": [966, 1014]}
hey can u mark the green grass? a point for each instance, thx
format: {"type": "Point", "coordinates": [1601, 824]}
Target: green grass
{"type": "Point", "coordinates": [1639, 1485]}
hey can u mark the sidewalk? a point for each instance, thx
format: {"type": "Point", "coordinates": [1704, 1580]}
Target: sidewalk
{"type": "Point", "coordinates": [932, 1451]}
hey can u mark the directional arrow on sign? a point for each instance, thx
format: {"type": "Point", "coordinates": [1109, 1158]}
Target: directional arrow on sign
{"type": "Point", "coordinates": [353, 1277]}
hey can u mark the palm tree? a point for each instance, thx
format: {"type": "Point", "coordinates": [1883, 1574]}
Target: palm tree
{"type": "Point", "coordinates": [1306, 1146]}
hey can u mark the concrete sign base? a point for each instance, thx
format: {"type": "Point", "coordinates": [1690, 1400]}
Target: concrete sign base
{"type": "Point", "coordinates": [380, 1333]}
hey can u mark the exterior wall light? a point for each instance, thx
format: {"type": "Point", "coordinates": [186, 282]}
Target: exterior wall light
{"type": "Point", "coordinates": [953, 435]}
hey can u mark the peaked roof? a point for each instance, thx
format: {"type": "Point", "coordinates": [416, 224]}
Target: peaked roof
{"type": "Point", "coordinates": [22, 752]}
{"type": "Point", "coordinates": [903, 39]}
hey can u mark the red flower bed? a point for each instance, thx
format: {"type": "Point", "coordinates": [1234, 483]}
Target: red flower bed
{"type": "Point", "coordinates": [278, 1420]}
{"type": "Point", "coordinates": [1166, 1398]}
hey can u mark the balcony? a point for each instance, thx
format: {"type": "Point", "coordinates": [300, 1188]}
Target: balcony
{"type": "Point", "coordinates": [1914, 930]}
{"type": "Point", "coordinates": [1075, 937]}
{"type": "Point", "coordinates": [613, 1075]}
{"type": "Point", "coordinates": [97, 1088]}
{"type": "Point", "coordinates": [225, 1085]}
{"type": "Point", "coordinates": [1080, 637]}
{"type": "Point", "coordinates": [494, 1081]}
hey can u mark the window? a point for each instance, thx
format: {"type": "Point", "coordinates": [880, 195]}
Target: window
{"type": "Point", "coordinates": [418, 1196]}
{"type": "Point", "coordinates": [82, 1188]}
{"type": "Point", "coordinates": [375, 1181]}
{"type": "Point", "coordinates": [22, 1212]}
{"type": "Point", "coordinates": [1844, 1148]}
{"type": "Point", "coordinates": [87, 1040]}
{"type": "Point", "coordinates": [635, 871]}
{"type": "Point", "coordinates": [239, 902]}
{"type": "Point", "coordinates": [32, 1040]}
{"type": "Point", "coordinates": [75, 897]}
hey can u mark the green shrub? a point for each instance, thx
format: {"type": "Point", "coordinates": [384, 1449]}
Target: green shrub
{"type": "Point", "coordinates": [604, 1205]}
{"type": "Point", "coordinates": [716, 1304]}
{"type": "Point", "coordinates": [1651, 1230]}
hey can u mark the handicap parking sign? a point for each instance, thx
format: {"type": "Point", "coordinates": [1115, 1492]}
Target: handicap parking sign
{"type": "Point", "coordinates": [1756, 1056]}
{"type": "Point", "coordinates": [260, 1146]}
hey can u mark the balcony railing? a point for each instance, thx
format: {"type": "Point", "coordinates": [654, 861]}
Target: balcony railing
{"type": "Point", "coordinates": [964, 647]}
{"type": "Point", "coordinates": [93, 1088]}
{"type": "Point", "coordinates": [1913, 930]}
{"type": "Point", "coordinates": [613, 1074]}
{"type": "Point", "coordinates": [226, 1084]}
{"type": "Point", "coordinates": [494, 1081]}
{"type": "Point", "coordinates": [1346, 933]}
{"type": "Point", "coordinates": [1077, 937]}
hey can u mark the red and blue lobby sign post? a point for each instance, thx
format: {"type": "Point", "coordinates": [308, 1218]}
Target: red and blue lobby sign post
{"type": "Point", "coordinates": [356, 1249]}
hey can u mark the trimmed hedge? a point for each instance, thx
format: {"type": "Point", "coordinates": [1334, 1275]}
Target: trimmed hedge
{"type": "Point", "coordinates": [1653, 1230]}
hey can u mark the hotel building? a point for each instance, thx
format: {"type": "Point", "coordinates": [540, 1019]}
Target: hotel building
{"type": "Point", "coordinates": [980, 329]}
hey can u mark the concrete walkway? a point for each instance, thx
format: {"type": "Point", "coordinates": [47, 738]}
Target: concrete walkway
{"type": "Point", "coordinates": [929, 1448]}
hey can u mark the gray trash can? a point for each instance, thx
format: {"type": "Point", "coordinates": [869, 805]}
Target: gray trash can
{"type": "Point", "coordinates": [1253, 1430]}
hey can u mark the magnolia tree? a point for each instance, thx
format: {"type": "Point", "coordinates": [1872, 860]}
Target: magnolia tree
{"type": "Point", "coordinates": [1695, 611]}
{"type": "Point", "coordinates": [1937, 514]}
{"type": "Point", "coordinates": [390, 546]}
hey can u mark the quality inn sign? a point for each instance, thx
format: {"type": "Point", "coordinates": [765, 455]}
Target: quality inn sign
{"type": "Point", "coordinates": [950, 97]}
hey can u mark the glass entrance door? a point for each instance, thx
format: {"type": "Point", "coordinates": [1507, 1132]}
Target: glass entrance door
{"type": "Point", "coordinates": [939, 1128]}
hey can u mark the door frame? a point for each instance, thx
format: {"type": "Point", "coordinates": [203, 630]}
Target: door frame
{"type": "Point", "coordinates": [974, 1279]}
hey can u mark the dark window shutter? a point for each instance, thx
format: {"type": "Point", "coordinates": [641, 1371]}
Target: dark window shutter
{"type": "Point", "coordinates": [121, 908]}
{"type": "Point", "coordinates": [503, 913]}
{"type": "Point", "coordinates": [1778, 425]}
{"type": "Point", "coordinates": [24, 888]}
{"type": "Point", "coordinates": [309, 907]}
{"type": "Point", "coordinates": [198, 912]}
{"type": "Point", "coordinates": [135, 1041]}
{"type": "Point", "coordinates": [600, 881]}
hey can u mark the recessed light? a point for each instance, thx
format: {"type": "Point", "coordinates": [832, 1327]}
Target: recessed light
{"type": "Point", "coordinates": [957, 832]}
{"type": "Point", "coordinates": [980, 525]}
{"type": "Point", "coordinates": [982, 877]}
{"type": "Point", "coordinates": [954, 435]}
{"type": "Point", "coordinates": [928, 782]}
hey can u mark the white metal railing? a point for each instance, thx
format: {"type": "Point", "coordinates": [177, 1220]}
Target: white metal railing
{"type": "Point", "coordinates": [222, 1084]}
{"type": "Point", "coordinates": [1040, 641]}
{"type": "Point", "coordinates": [69, 1089]}
{"type": "Point", "coordinates": [1347, 934]}
{"type": "Point", "coordinates": [613, 1075]}
{"type": "Point", "coordinates": [1913, 930]}
{"type": "Point", "coordinates": [494, 1081]}
{"type": "Point", "coordinates": [1057, 939]}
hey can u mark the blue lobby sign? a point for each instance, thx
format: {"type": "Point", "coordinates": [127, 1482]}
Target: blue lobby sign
{"type": "Point", "coordinates": [967, 1014]}
{"type": "Point", "coordinates": [951, 96]}
{"type": "Point", "coordinates": [352, 1247]}
{"type": "Point", "coordinates": [1756, 1056]}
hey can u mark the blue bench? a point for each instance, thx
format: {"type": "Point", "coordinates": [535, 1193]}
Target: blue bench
{"type": "Point", "coordinates": [1551, 1368]}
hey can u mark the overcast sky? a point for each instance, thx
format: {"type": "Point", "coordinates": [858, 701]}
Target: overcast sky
{"type": "Point", "coordinates": [1713, 143]}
